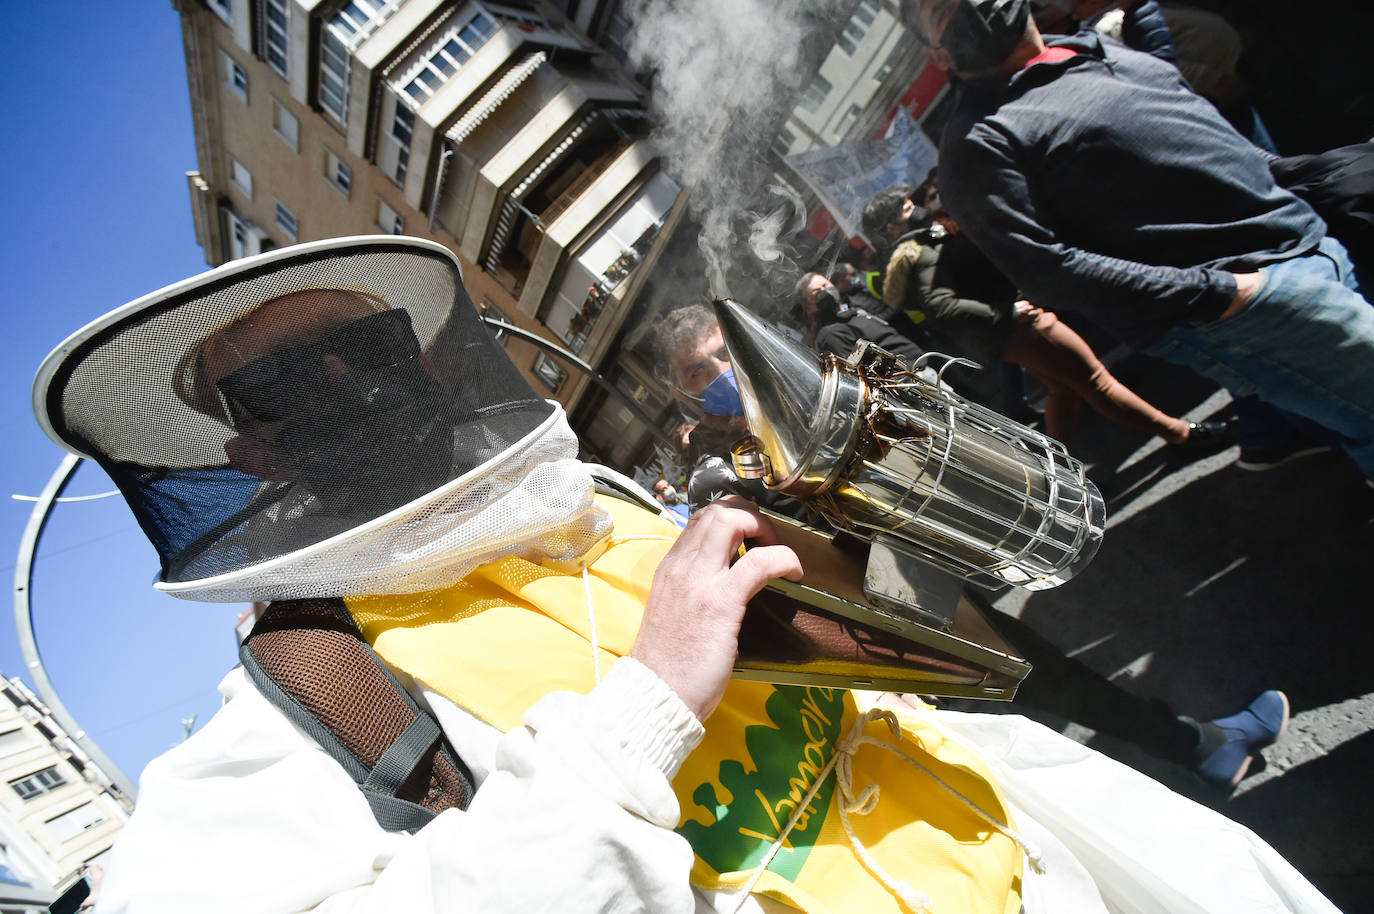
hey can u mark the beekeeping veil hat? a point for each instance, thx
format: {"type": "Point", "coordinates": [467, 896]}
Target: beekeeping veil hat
{"type": "Point", "coordinates": [327, 419]}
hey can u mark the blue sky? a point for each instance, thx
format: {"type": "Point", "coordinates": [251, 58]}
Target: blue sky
{"type": "Point", "coordinates": [94, 159]}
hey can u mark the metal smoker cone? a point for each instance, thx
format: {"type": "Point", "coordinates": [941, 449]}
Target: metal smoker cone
{"type": "Point", "coordinates": [802, 415]}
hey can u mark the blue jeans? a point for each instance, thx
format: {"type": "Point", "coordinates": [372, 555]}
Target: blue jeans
{"type": "Point", "coordinates": [1304, 343]}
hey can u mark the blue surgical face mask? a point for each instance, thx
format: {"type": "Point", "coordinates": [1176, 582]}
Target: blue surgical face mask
{"type": "Point", "coordinates": [721, 396]}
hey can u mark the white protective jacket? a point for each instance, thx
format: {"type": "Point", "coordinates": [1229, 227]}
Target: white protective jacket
{"type": "Point", "coordinates": [575, 812]}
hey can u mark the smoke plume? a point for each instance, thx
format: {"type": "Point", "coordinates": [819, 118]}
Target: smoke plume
{"type": "Point", "coordinates": [725, 75]}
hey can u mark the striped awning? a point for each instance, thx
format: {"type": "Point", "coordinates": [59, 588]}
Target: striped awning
{"type": "Point", "coordinates": [494, 96]}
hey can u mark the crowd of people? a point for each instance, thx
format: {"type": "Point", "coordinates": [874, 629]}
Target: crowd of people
{"type": "Point", "coordinates": [488, 676]}
{"type": "Point", "coordinates": [1145, 208]}
{"type": "Point", "coordinates": [1084, 173]}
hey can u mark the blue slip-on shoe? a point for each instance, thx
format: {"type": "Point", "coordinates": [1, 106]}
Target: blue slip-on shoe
{"type": "Point", "coordinates": [1228, 744]}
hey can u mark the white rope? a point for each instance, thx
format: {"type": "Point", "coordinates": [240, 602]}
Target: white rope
{"type": "Point", "coordinates": [591, 609]}
{"type": "Point", "coordinates": [864, 803]}
{"type": "Point", "coordinates": [591, 624]}
{"type": "Point", "coordinates": [786, 830]}
{"type": "Point", "coordinates": [841, 762]}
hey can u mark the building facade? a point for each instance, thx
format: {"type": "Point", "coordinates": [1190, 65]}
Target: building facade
{"type": "Point", "coordinates": [860, 80]}
{"type": "Point", "coordinates": [498, 130]}
{"type": "Point", "coordinates": [60, 813]}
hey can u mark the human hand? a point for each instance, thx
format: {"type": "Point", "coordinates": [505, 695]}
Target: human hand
{"type": "Point", "coordinates": [690, 632]}
{"type": "Point", "coordinates": [1025, 312]}
{"type": "Point", "coordinates": [1247, 284]}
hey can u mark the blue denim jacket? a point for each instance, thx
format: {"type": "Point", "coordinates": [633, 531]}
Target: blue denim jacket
{"type": "Point", "coordinates": [1102, 184]}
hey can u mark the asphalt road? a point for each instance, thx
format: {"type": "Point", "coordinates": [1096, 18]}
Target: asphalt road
{"type": "Point", "coordinates": [1214, 584]}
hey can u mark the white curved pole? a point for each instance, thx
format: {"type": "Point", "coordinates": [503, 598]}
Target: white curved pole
{"type": "Point", "coordinates": [23, 620]}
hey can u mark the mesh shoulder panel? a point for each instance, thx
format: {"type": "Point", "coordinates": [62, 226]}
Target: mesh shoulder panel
{"type": "Point", "coordinates": [308, 658]}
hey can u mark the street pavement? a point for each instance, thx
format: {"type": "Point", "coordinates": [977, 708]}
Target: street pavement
{"type": "Point", "coordinates": [1214, 584]}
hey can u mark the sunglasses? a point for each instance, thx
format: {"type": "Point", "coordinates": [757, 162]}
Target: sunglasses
{"type": "Point", "coordinates": [276, 385]}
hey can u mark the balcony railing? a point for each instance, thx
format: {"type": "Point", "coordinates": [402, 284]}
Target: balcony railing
{"type": "Point", "coordinates": [583, 181]}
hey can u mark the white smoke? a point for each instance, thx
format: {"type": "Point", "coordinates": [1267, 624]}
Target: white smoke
{"type": "Point", "coordinates": [723, 72]}
{"type": "Point", "coordinates": [785, 220]}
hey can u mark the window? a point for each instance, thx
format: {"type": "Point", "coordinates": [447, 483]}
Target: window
{"type": "Point", "coordinates": [238, 236]}
{"type": "Point", "coordinates": [334, 77]}
{"type": "Point", "coordinates": [285, 125]}
{"type": "Point", "coordinates": [350, 25]}
{"type": "Point", "coordinates": [233, 76]}
{"type": "Point", "coordinates": [355, 18]}
{"type": "Point", "coordinates": [402, 129]}
{"type": "Point", "coordinates": [223, 8]}
{"type": "Point", "coordinates": [550, 372]}
{"type": "Point", "coordinates": [446, 55]}
{"type": "Point", "coordinates": [338, 173]}
{"type": "Point", "coordinates": [276, 33]}
{"type": "Point", "coordinates": [866, 12]}
{"type": "Point", "coordinates": [13, 741]}
{"type": "Point", "coordinates": [286, 220]}
{"type": "Point", "coordinates": [38, 783]}
{"type": "Point", "coordinates": [815, 93]}
{"type": "Point", "coordinates": [75, 821]}
{"type": "Point", "coordinates": [852, 35]}
{"type": "Point", "coordinates": [242, 177]}
{"type": "Point", "coordinates": [388, 220]}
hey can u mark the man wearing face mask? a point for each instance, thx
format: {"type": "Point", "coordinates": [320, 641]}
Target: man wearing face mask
{"type": "Point", "coordinates": [690, 345]}
{"type": "Point", "coordinates": [1098, 182]}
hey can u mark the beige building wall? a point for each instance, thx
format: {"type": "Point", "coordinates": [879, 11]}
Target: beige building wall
{"type": "Point", "coordinates": [268, 158]}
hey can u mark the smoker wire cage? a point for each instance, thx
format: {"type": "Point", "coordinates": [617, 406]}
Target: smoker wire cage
{"type": "Point", "coordinates": [883, 454]}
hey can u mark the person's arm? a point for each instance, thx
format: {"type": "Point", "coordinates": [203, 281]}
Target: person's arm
{"type": "Point", "coordinates": [577, 810]}
{"type": "Point", "coordinates": [576, 813]}
{"type": "Point", "coordinates": [944, 304]}
{"type": "Point", "coordinates": [987, 191]}
{"type": "Point", "coordinates": [1145, 29]}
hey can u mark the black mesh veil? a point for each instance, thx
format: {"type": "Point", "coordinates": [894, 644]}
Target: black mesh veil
{"type": "Point", "coordinates": [273, 405]}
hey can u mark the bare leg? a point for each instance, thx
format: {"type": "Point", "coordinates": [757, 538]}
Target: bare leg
{"type": "Point", "coordinates": [1052, 351]}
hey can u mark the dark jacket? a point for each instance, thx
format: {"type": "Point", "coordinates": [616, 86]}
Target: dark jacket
{"type": "Point", "coordinates": [965, 301]}
{"type": "Point", "coordinates": [971, 301]}
{"type": "Point", "coordinates": [842, 331]}
{"type": "Point", "coordinates": [1102, 184]}
{"type": "Point", "coordinates": [1145, 29]}
{"type": "Point", "coordinates": [1339, 185]}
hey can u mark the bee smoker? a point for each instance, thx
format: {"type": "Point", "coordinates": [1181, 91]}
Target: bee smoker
{"type": "Point", "coordinates": [941, 489]}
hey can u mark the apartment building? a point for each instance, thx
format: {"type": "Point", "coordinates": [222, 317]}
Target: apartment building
{"type": "Point", "coordinates": [861, 79]}
{"type": "Point", "coordinates": [60, 812]}
{"type": "Point", "coordinates": [499, 130]}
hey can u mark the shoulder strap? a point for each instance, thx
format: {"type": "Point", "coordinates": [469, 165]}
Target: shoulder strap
{"type": "Point", "coordinates": [623, 489]}
{"type": "Point", "coordinates": [309, 659]}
